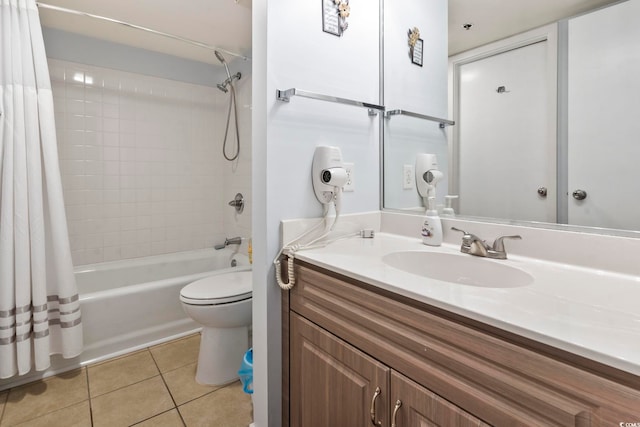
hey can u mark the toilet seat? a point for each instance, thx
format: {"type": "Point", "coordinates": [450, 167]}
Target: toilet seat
{"type": "Point", "coordinates": [218, 289]}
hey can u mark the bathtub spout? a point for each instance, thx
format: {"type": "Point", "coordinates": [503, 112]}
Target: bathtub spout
{"type": "Point", "coordinates": [227, 242]}
{"type": "Point", "coordinates": [233, 241]}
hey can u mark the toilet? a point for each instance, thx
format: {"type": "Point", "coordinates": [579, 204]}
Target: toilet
{"type": "Point", "coordinates": [222, 305]}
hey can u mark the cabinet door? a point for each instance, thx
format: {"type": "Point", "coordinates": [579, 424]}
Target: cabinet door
{"type": "Point", "coordinates": [419, 407]}
{"type": "Point", "coordinates": [332, 383]}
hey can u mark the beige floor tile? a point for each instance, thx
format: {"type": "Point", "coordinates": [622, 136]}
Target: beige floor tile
{"type": "Point", "coordinates": [176, 354]}
{"type": "Point", "coordinates": [3, 399]}
{"type": "Point", "coordinates": [41, 397]}
{"type": "Point", "coordinates": [183, 386]}
{"type": "Point", "coordinates": [168, 419]}
{"type": "Point", "coordinates": [118, 357]}
{"type": "Point", "coordinates": [121, 372]}
{"type": "Point", "coordinates": [227, 407]}
{"type": "Point", "coordinates": [78, 415]}
{"type": "Point", "coordinates": [131, 404]}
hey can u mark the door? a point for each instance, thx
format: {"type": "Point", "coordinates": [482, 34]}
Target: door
{"type": "Point", "coordinates": [419, 407]}
{"type": "Point", "coordinates": [506, 140]}
{"type": "Point", "coordinates": [332, 383]}
{"type": "Point", "coordinates": [603, 131]}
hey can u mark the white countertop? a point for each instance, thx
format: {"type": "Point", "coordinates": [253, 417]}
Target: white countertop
{"type": "Point", "coordinates": [588, 312]}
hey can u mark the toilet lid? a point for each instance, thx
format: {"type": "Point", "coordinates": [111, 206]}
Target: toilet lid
{"type": "Point", "coordinates": [218, 289]}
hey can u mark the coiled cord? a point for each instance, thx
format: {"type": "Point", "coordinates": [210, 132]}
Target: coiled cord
{"type": "Point", "coordinates": [292, 247]}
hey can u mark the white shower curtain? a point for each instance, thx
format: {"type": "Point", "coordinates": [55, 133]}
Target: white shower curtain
{"type": "Point", "coordinates": [39, 307]}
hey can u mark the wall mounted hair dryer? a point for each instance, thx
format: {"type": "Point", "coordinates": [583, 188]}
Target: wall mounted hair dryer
{"type": "Point", "coordinates": [328, 175]}
{"type": "Point", "coordinates": [428, 175]}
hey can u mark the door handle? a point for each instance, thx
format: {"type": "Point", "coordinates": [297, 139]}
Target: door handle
{"type": "Point", "coordinates": [542, 191]}
{"type": "Point", "coordinates": [579, 194]}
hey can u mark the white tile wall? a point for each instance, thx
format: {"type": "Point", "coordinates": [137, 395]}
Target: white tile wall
{"type": "Point", "coordinates": [238, 173]}
{"type": "Point", "coordinates": [141, 163]}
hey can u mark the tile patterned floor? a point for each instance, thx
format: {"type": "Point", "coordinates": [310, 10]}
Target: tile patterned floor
{"type": "Point", "coordinates": [154, 387]}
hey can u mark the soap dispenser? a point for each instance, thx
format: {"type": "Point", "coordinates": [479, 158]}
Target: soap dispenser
{"type": "Point", "coordinates": [432, 226]}
{"type": "Point", "coordinates": [448, 209]}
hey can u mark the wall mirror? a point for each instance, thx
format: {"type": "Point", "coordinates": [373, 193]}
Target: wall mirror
{"type": "Point", "coordinates": [544, 131]}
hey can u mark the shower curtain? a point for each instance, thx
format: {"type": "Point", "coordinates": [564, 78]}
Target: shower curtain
{"type": "Point", "coordinates": [39, 307]}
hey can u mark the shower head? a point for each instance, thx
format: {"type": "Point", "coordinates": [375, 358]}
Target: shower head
{"type": "Point", "coordinates": [222, 60]}
{"type": "Point", "coordinates": [219, 56]}
{"type": "Point", "coordinates": [223, 87]}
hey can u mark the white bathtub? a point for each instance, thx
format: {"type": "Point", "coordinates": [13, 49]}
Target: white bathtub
{"type": "Point", "coordinates": [131, 304]}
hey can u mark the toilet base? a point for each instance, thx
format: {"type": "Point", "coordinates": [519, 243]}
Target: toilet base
{"type": "Point", "coordinates": [221, 352]}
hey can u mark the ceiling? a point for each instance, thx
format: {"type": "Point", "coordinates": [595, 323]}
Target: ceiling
{"type": "Point", "coordinates": [226, 24]}
{"type": "Point", "coordinates": [496, 19]}
{"type": "Point", "coordinates": [223, 24]}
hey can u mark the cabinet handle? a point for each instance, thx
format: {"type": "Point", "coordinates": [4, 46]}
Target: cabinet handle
{"type": "Point", "coordinates": [395, 413]}
{"type": "Point", "coordinates": [373, 407]}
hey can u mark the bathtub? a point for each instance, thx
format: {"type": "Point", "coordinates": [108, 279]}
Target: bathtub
{"type": "Point", "coordinates": [132, 304]}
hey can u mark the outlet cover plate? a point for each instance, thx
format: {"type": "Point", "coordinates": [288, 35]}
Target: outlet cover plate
{"type": "Point", "coordinates": [408, 177]}
{"type": "Point", "coordinates": [350, 185]}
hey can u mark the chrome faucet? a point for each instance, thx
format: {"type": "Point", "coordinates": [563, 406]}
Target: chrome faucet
{"type": "Point", "coordinates": [473, 245]}
{"type": "Point", "coordinates": [227, 242]}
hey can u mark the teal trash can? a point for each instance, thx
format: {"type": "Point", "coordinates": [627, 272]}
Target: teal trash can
{"type": "Point", "coordinates": [246, 372]}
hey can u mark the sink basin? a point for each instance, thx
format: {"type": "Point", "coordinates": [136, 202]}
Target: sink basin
{"type": "Point", "coordinates": [460, 269]}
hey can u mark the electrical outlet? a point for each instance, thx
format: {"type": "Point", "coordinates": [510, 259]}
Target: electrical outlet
{"type": "Point", "coordinates": [408, 177]}
{"type": "Point", "coordinates": [350, 185]}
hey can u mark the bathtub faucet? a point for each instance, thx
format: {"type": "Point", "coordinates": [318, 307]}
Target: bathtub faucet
{"type": "Point", "coordinates": [227, 242]}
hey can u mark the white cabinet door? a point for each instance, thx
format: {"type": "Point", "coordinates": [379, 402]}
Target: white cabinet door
{"type": "Point", "coordinates": [506, 148]}
{"type": "Point", "coordinates": [604, 126]}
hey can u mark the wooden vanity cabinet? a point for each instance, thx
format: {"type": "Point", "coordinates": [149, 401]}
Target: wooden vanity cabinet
{"type": "Point", "coordinates": [335, 384]}
{"type": "Point", "coordinates": [332, 383]}
{"type": "Point", "coordinates": [343, 340]}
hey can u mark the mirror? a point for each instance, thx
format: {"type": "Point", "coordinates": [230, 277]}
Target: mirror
{"type": "Point", "coordinates": [569, 158]}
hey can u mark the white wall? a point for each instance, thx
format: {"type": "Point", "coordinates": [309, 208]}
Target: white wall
{"type": "Point", "coordinates": [141, 155]}
{"type": "Point", "coordinates": [101, 53]}
{"type": "Point", "coordinates": [236, 174]}
{"type": "Point", "coordinates": [139, 174]}
{"type": "Point", "coordinates": [417, 89]}
{"type": "Point", "coordinates": [266, 334]}
{"type": "Point", "coordinates": [291, 50]}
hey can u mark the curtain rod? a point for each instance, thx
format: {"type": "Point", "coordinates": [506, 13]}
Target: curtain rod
{"type": "Point", "coordinates": [138, 27]}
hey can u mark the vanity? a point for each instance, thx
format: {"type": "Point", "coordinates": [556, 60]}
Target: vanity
{"type": "Point", "coordinates": [376, 333]}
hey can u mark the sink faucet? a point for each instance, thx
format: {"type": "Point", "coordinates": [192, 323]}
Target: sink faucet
{"type": "Point", "coordinates": [473, 245]}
